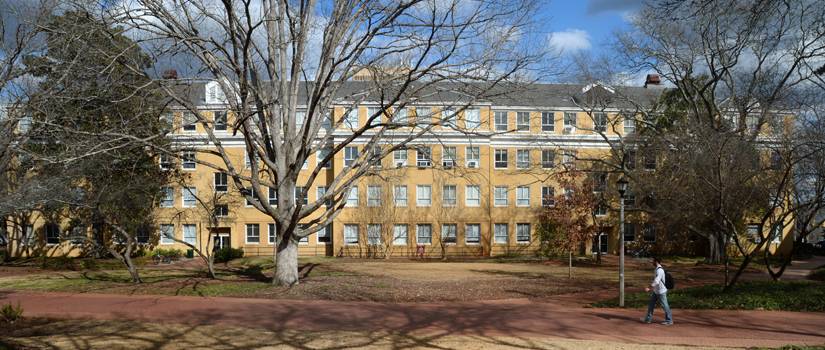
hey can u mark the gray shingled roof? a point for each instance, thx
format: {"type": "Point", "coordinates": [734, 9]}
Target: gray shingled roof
{"type": "Point", "coordinates": [544, 95]}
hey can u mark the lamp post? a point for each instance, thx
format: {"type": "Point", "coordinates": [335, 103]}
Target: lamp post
{"type": "Point", "coordinates": [622, 187]}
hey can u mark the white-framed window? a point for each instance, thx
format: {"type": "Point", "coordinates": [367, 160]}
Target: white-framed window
{"type": "Point", "coordinates": [629, 199]}
{"type": "Point", "coordinates": [449, 196]}
{"type": "Point", "coordinates": [190, 197]}
{"type": "Point", "coordinates": [424, 234]}
{"type": "Point", "coordinates": [600, 121]}
{"type": "Point", "coordinates": [523, 121]}
{"type": "Point", "coordinates": [271, 233]}
{"type": "Point", "coordinates": [548, 196]}
{"type": "Point", "coordinates": [351, 118]}
{"type": "Point", "coordinates": [399, 234]}
{"type": "Point", "coordinates": [500, 233]}
{"type": "Point", "coordinates": [221, 182]}
{"type": "Point", "coordinates": [630, 160]}
{"type": "Point", "coordinates": [649, 232]}
{"type": "Point", "coordinates": [400, 116]}
{"type": "Point", "coordinates": [399, 157]}
{"type": "Point", "coordinates": [548, 158]}
{"type": "Point", "coordinates": [548, 121]}
{"type": "Point", "coordinates": [500, 159]}
{"type": "Point", "coordinates": [570, 119]}
{"type": "Point", "coordinates": [189, 122]}
{"type": "Point", "coordinates": [376, 156]}
{"type": "Point", "coordinates": [400, 195]}
{"type": "Point", "coordinates": [776, 232]}
{"type": "Point", "coordinates": [350, 234]}
{"type": "Point", "coordinates": [272, 197]}
{"type": "Point", "coordinates": [221, 210]}
{"type": "Point", "coordinates": [500, 119]}
{"type": "Point", "coordinates": [324, 236]}
{"type": "Point", "coordinates": [601, 210]}
{"type": "Point", "coordinates": [190, 234]}
{"type": "Point", "coordinates": [448, 117]}
{"type": "Point", "coordinates": [449, 233]}
{"type": "Point", "coordinates": [352, 197]}
{"type": "Point", "coordinates": [500, 196]}
{"type": "Point", "coordinates": [374, 234]}
{"type": "Point", "coordinates": [220, 120]}
{"type": "Point", "coordinates": [52, 233]}
{"type": "Point", "coordinates": [650, 161]}
{"type": "Point", "coordinates": [569, 158]}
{"type": "Point", "coordinates": [523, 158]}
{"type": "Point", "coordinates": [472, 233]}
{"type": "Point", "coordinates": [165, 161]}
{"type": "Point", "coordinates": [373, 196]}
{"type": "Point", "coordinates": [629, 125]}
{"type": "Point", "coordinates": [320, 192]}
{"type": "Point", "coordinates": [350, 155]}
{"type": "Point", "coordinates": [629, 232]}
{"type": "Point", "coordinates": [167, 234]}
{"type": "Point", "coordinates": [423, 156]}
{"type": "Point", "coordinates": [472, 118]}
{"type": "Point", "coordinates": [523, 196]}
{"type": "Point", "coordinates": [448, 157]}
{"type": "Point", "coordinates": [322, 154]}
{"type": "Point", "coordinates": [599, 181]}
{"type": "Point", "coordinates": [168, 200]}
{"type": "Point", "coordinates": [472, 196]}
{"type": "Point", "coordinates": [188, 160]}
{"type": "Point", "coordinates": [423, 115]}
{"type": "Point", "coordinates": [253, 233]}
{"type": "Point", "coordinates": [473, 157]}
{"type": "Point", "coordinates": [252, 194]}
{"type": "Point", "coordinates": [523, 233]}
{"type": "Point", "coordinates": [372, 111]}
{"type": "Point", "coordinates": [27, 238]}
{"type": "Point", "coordinates": [423, 195]}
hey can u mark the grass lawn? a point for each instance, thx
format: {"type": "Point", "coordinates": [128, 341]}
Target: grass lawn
{"type": "Point", "coordinates": [327, 278]}
{"type": "Point", "coordinates": [751, 295]}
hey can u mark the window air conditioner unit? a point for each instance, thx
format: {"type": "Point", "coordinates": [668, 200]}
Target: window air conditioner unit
{"type": "Point", "coordinates": [448, 164]}
{"type": "Point", "coordinates": [423, 163]}
{"type": "Point", "coordinates": [399, 164]}
{"type": "Point", "coordinates": [569, 130]}
{"type": "Point", "coordinates": [472, 165]}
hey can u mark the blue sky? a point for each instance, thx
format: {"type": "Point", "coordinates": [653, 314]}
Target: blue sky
{"type": "Point", "coordinates": [585, 25]}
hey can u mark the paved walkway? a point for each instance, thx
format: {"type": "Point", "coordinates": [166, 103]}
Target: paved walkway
{"type": "Point", "coordinates": [799, 269]}
{"type": "Point", "coordinates": [491, 318]}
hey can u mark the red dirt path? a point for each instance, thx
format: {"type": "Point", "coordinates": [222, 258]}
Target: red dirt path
{"type": "Point", "coordinates": [490, 318]}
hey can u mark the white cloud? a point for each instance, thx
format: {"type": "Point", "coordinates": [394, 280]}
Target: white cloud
{"type": "Point", "coordinates": [570, 41]}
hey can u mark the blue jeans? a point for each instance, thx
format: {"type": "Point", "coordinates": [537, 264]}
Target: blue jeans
{"type": "Point", "coordinates": [661, 299]}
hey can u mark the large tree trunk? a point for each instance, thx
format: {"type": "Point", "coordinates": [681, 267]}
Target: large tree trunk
{"type": "Point", "coordinates": [716, 249]}
{"type": "Point", "coordinates": [286, 263]}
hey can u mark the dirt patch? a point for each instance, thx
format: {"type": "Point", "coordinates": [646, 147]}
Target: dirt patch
{"type": "Point", "coordinates": [53, 334]}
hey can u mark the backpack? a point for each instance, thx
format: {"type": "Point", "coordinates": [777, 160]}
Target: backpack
{"type": "Point", "coordinates": [669, 283]}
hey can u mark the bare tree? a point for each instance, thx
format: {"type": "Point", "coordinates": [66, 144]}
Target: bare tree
{"type": "Point", "coordinates": [281, 66]}
{"type": "Point", "coordinates": [570, 221]}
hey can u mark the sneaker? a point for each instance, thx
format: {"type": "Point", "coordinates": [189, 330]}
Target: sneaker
{"type": "Point", "coordinates": [644, 320]}
{"type": "Point", "coordinates": [666, 323]}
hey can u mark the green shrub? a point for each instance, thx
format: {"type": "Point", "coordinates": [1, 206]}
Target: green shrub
{"type": "Point", "coordinates": [818, 274]}
{"type": "Point", "coordinates": [59, 263]}
{"type": "Point", "coordinates": [806, 296]}
{"type": "Point", "coordinates": [226, 254]}
{"type": "Point", "coordinates": [169, 253]}
{"type": "Point", "coordinates": [90, 264]}
{"type": "Point", "coordinates": [10, 313]}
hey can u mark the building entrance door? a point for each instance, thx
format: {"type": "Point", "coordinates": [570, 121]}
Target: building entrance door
{"type": "Point", "coordinates": [600, 243]}
{"type": "Point", "coordinates": [221, 237]}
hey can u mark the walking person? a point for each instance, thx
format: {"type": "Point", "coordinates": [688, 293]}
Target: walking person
{"type": "Point", "coordinates": [658, 294]}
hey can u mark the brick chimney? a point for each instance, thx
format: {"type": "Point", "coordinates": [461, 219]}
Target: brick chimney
{"type": "Point", "coordinates": [653, 79]}
{"type": "Point", "coordinates": [170, 74]}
